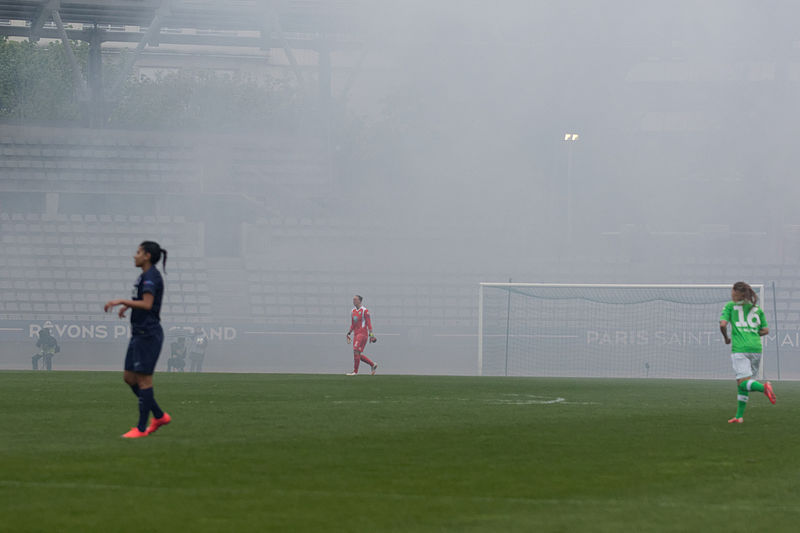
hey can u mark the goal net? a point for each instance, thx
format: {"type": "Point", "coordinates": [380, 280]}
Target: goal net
{"type": "Point", "coordinates": [657, 331]}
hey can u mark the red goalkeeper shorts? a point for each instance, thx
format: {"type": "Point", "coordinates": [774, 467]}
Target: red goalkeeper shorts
{"type": "Point", "coordinates": [360, 342]}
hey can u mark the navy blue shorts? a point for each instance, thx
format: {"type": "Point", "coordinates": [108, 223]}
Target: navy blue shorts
{"type": "Point", "coordinates": [143, 351]}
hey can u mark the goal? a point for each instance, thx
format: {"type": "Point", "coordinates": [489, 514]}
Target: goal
{"type": "Point", "coordinates": [581, 330]}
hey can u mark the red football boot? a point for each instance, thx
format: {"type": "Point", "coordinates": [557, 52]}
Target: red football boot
{"type": "Point", "coordinates": [156, 423]}
{"type": "Point", "coordinates": [134, 433]}
{"type": "Point", "coordinates": [769, 392]}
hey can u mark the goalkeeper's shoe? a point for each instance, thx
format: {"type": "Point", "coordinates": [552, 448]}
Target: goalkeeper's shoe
{"type": "Point", "coordinates": [374, 369]}
{"type": "Point", "coordinates": [769, 392]}
{"type": "Point", "coordinates": [351, 374]}
{"type": "Point", "coordinates": [735, 420]}
{"type": "Point", "coordinates": [156, 423]}
{"type": "Point", "coordinates": [134, 433]}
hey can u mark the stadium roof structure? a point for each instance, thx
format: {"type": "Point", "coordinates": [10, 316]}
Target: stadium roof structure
{"type": "Point", "coordinates": [297, 17]}
{"type": "Point", "coordinates": [320, 25]}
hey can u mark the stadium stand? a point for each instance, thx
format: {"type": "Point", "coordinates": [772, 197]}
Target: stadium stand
{"type": "Point", "coordinates": [65, 266]}
{"type": "Point", "coordinates": [85, 160]}
{"type": "Point", "coordinates": [62, 267]}
{"type": "Point", "coordinates": [318, 297]}
{"type": "Point", "coordinates": [76, 160]}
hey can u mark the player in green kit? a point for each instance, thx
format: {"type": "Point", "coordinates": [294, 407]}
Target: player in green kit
{"type": "Point", "coordinates": [748, 325]}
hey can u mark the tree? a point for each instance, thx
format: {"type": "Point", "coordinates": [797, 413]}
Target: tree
{"type": "Point", "coordinates": [36, 83]}
{"type": "Point", "coordinates": [205, 101]}
{"type": "Point", "coordinates": [36, 86]}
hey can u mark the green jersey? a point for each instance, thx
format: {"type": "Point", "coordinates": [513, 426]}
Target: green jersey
{"type": "Point", "coordinates": [746, 320]}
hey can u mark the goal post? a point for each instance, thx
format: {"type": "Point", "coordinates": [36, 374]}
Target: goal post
{"type": "Point", "coordinates": [607, 330]}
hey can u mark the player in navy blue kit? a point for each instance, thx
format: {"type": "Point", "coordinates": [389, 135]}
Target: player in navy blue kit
{"type": "Point", "coordinates": [146, 336]}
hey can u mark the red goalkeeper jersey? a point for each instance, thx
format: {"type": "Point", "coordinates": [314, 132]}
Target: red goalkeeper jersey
{"type": "Point", "coordinates": [360, 321]}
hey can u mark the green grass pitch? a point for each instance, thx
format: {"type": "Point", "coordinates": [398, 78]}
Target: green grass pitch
{"type": "Point", "coordinates": [325, 453]}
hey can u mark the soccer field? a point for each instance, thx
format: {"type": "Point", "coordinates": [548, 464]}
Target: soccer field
{"type": "Point", "coordinates": [259, 452]}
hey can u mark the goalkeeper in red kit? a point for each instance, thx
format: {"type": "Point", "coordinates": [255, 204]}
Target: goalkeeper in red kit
{"type": "Point", "coordinates": [361, 327]}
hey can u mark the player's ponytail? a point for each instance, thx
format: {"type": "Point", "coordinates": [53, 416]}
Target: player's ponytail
{"type": "Point", "coordinates": [746, 291]}
{"type": "Point", "coordinates": [164, 262]}
{"type": "Point", "coordinates": [155, 251]}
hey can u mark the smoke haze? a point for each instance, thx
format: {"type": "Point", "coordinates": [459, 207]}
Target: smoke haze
{"type": "Point", "coordinates": [439, 160]}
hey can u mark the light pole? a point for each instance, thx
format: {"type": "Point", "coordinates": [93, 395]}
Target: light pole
{"type": "Point", "coordinates": [570, 139]}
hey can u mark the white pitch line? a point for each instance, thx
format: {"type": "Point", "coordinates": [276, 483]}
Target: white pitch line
{"type": "Point", "coordinates": [526, 402]}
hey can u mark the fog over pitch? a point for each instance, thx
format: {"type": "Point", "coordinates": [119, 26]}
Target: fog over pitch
{"type": "Point", "coordinates": [478, 141]}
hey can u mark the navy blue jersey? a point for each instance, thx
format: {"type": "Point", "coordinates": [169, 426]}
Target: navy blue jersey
{"type": "Point", "coordinates": [152, 282]}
